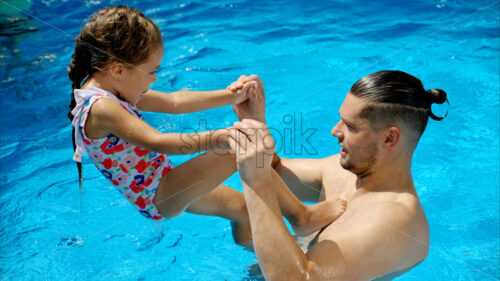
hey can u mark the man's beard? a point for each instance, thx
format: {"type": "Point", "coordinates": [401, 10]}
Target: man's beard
{"type": "Point", "coordinates": [361, 166]}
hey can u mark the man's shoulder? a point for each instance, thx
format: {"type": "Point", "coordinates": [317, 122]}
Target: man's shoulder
{"type": "Point", "coordinates": [394, 213]}
{"type": "Point", "coordinates": [390, 213]}
{"type": "Point", "coordinates": [398, 208]}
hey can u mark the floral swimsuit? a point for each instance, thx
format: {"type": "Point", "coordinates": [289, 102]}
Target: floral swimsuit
{"type": "Point", "coordinates": [134, 171]}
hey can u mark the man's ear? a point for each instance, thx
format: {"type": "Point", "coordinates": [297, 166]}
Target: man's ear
{"type": "Point", "coordinates": [392, 137]}
{"type": "Point", "coordinates": [116, 70]}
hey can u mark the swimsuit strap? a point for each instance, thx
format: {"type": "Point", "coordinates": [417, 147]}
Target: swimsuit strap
{"type": "Point", "coordinates": [82, 97]}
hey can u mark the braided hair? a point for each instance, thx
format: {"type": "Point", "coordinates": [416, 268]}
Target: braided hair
{"type": "Point", "coordinates": [398, 98]}
{"type": "Point", "coordinates": [112, 34]}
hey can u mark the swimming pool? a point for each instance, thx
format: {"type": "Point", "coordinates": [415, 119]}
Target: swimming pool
{"type": "Point", "coordinates": [308, 55]}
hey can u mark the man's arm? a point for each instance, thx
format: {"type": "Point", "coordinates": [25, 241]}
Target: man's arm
{"type": "Point", "coordinates": [363, 250]}
{"type": "Point", "coordinates": [304, 177]}
{"type": "Point", "coordinates": [372, 241]}
{"type": "Point", "coordinates": [280, 258]}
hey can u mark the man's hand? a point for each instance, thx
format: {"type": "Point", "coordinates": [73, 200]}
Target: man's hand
{"type": "Point", "coordinates": [255, 106]}
{"type": "Point", "coordinates": [253, 145]}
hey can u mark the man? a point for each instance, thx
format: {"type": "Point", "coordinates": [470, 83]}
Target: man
{"type": "Point", "coordinates": [384, 229]}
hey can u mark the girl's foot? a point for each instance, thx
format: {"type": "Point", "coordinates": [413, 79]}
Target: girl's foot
{"type": "Point", "coordinates": [319, 215]}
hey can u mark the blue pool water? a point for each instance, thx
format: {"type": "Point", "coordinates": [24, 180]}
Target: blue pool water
{"type": "Point", "coordinates": [308, 54]}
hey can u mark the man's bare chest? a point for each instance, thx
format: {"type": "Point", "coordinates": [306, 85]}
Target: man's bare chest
{"type": "Point", "coordinates": [338, 187]}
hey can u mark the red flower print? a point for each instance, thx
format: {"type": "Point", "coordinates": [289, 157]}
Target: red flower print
{"type": "Point", "coordinates": [158, 160]}
{"type": "Point", "coordinates": [123, 168]}
{"type": "Point", "coordinates": [140, 202]}
{"type": "Point", "coordinates": [108, 163]}
{"type": "Point", "coordinates": [142, 165]}
{"type": "Point", "coordinates": [165, 170]}
{"type": "Point", "coordinates": [140, 152]}
{"type": "Point", "coordinates": [111, 145]}
{"type": "Point", "coordinates": [156, 217]}
{"type": "Point", "coordinates": [137, 184]}
{"type": "Point", "coordinates": [148, 182]}
{"type": "Point", "coordinates": [105, 147]}
{"type": "Point", "coordinates": [86, 141]}
{"type": "Point", "coordinates": [118, 148]}
{"type": "Point", "coordinates": [136, 189]}
{"type": "Point", "coordinates": [115, 182]}
{"type": "Point", "coordinates": [108, 148]}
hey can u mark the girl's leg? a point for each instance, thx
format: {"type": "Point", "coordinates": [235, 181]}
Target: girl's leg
{"type": "Point", "coordinates": [192, 180]}
{"type": "Point", "coordinates": [305, 219]}
{"type": "Point", "coordinates": [196, 186]}
{"type": "Point", "coordinates": [227, 203]}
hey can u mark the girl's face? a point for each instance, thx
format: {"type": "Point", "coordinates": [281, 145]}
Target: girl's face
{"type": "Point", "coordinates": [137, 79]}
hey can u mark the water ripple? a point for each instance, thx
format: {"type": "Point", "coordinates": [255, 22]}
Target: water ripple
{"type": "Point", "coordinates": [170, 34]}
{"type": "Point", "coordinates": [55, 184]}
{"type": "Point", "coordinates": [202, 53]}
{"type": "Point", "coordinates": [168, 12]}
{"type": "Point", "coordinates": [399, 30]}
{"type": "Point", "coordinates": [209, 69]}
{"type": "Point", "coordinates": [155, 241]}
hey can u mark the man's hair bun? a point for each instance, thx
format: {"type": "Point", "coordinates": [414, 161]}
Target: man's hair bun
{"type": "Point", "coordinates": [437, 96]}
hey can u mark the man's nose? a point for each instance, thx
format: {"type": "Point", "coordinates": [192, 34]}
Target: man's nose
{"type": "Point", "coordinates": [336, 132]}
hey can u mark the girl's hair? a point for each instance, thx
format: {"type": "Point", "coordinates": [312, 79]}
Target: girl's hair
{"type": "Point", "coordinates": [397, 98]}
{"type": "Point", "coordinates": [118, 34]}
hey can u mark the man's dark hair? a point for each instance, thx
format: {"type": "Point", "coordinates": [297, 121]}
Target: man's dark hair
{"type": "Point", "coordinates": [397, 98]}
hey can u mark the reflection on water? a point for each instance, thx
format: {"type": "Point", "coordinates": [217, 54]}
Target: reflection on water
{"type": "Point", "coordinates": [15, 24]}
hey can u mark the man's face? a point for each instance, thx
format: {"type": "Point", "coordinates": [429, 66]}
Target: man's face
{"type": "Point", "coordinates": [357, 139]}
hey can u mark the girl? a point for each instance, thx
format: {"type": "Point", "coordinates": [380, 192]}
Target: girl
{"type": "Point", "coordinates": [115, 60]}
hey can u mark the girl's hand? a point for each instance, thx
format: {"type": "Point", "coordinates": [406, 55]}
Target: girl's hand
{"type": "Point", "coordinates": [245, 79]}
{"type": "Point", "coordinates": [242, 93]}
{"type": "Point", "coordinates": [255, 106]}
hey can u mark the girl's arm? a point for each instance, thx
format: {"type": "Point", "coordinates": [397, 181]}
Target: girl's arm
{"type": "Point", "coordinates": [110, 117]}
{"type": "Point", "coordinates": [190, 101]}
